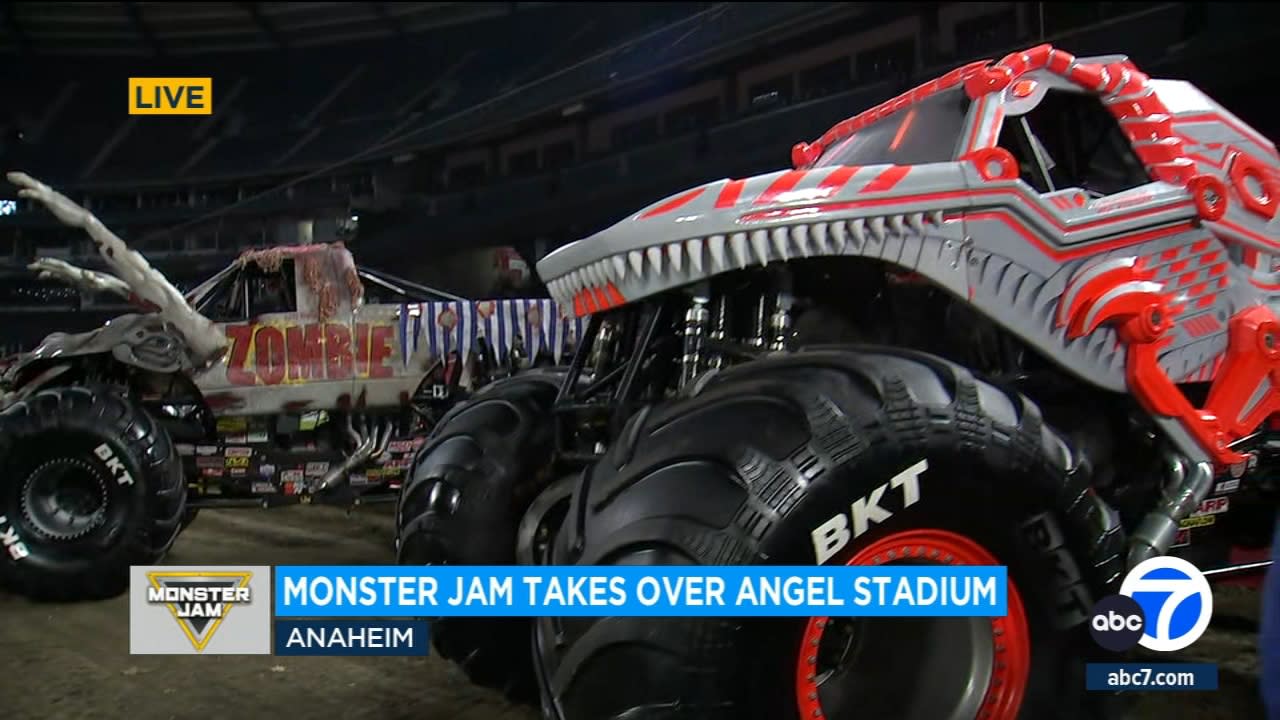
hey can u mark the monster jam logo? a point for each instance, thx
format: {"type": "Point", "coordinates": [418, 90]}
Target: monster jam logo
{"type": "Point", "coordinates": [199, 601]}
{"type": "Point", "coordinates": [271, 354]}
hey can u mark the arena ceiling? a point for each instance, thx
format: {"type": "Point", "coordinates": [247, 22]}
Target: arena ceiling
{"type": "Point", "coordinates": [190, 28]}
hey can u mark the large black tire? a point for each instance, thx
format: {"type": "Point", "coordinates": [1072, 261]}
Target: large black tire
{"type": "Point", "coordinates": [92, 485]}
{"type": "Point", "coordinates": [469, 486]}
{"type": "Point", "coordinates": [770, 452]}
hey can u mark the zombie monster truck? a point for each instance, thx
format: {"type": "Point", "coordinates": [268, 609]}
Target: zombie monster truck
{"type": "Point", "coordinates": [1021, 315]}
{"type": "Point", "coordinates": [291, 376]}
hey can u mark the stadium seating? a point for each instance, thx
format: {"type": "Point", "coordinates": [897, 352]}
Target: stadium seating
{"type": "Point", "coordinates": [308, 108]}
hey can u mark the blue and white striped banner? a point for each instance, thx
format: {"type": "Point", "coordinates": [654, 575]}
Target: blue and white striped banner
{"type": "Point", "coordinates": [453, 326]}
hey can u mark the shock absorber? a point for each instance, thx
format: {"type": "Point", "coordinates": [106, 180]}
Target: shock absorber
{"type": "Point", "coordinates": [719, 329]}
{"type": "Point", "coordinates": [696, 319]}
{"type": "Point", "coordinates": [780, 323]}
{"type": "Point", "coordinates": [761, 318]}
{"type": "Point", "coordinates": [602, 352]}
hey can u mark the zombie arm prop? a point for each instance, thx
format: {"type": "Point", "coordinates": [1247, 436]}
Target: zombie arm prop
{"type": "Point", "coordinates": [93, 281]}
{"type": "Point", "coordinates": [204, 339]}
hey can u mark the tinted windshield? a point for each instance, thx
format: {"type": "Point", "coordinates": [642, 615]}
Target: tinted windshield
{"type": "Point", "coordinates": [926, 132]}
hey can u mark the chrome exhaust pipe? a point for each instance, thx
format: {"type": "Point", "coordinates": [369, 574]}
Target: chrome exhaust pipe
{"type": "Point", "coordinates": [368, 445]}
{"type": "Point", "coordinates": [1188, 485]}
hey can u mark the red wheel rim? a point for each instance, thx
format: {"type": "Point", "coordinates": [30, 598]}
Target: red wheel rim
{"type": "Point", "coordinates": [1011, 636]}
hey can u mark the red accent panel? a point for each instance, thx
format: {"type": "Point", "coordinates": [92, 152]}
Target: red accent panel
{"type": "Point", "coordinates": [615, 297]}
{"type": "Point", "coordinates": [1210, 195]}
{"type": "Point", "coordinates": [730, 194]}
{"type": "Point", "coordinates": [839, 178]}
{"type": "Point", "coordinates": [674, 203]}
{"type": "Point", "coordinates": [1086, 251]}
{"type": "Point", "coordinates": [785, 183]}
{"type": "Point", "coordinates": [1245, 169]}
{"type": "Point", "coordinates": [994, 163]}
{"type": "Point", "coordinates": [1252, 358]}
{"type": "Point", "coordinates": [1250, 257]}
{"type": "Point", "coordinates": [602, 299]}
{"type": "Point", "coordinates": [887, 179]}
{"type": "Point", "coordinates": [803, 154]}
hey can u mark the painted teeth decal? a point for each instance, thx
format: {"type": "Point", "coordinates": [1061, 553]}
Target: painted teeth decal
{"type": "Point", "coordinates": [739, 250]}
{"type": "Point", "coordinates": [715, 244]}
{"type": "Point", "coordinates": [695, 256]}
{"type": "Point", "coordinates": [636, 259]}
{"type": "Point", "coordinates": [760, 244]}
{"type": "Point", "coordinates": [916, 221]}
{"type": "Point", "coordinates": [819, 233]}
{"type": "Point", "coordinates": [655, 259]}
{"type": "Point", "coordinates": [896, 225]}
{"type": "Point", "coordinates": [859, 228]}
{"type": "Point", "coordinates": [877, 228]}
{"type": "Point", "coordinates": [780, 243]}
{"type": "Point", "coordinates": [839, 234]}
{"type": "Point", "coordinates": [800, 234]}
{"type": "Point", "coordinates": [738, 244]}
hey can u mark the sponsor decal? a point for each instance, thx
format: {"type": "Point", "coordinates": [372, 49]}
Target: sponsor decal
{"type": "Point", "coordinates": [213, 472]}
{"type": "Point", "coordinates": [114, 466]}
{"type": "Point", "coordinates": [10, 541]}
{"type": "Point", "coordinates": [232, 424]}
{"type": "Point", "coordinates": [238, 452]}
{"type": "Point", "coordinates": [237, 439]}
{"type": "Point", "coordinates": [262, 488]}
{"type": "Point", "coordinates": [316, 469]}
{"type": "Point", "coordinates": [239, 472]}
{"type": "Point", "coordinates": [400, 446]}
{"type": "Point", "coordinates": [1182, 539]}
{"type": "Point", "coordinates": [290, 488]}
{"type": "Point", "coordinates": [209, 462]}
{"type": "Point", "coordinates": [185, 449]}
{"type": "Point", "coordinates": [1196, 521]}
{"type": "Point", "coordinates": [276, 354]}
{"type": "Point", "coordinates": [358, 479]}
{"type": "Point", "coordinates": [291, 476]}
{"type": "Point", "coordinates": [832, 536]}
{"type": "Point", "coordinates": [1227, 486]}
{"type": "Point", "coordinates": [206, 449]}
{"type": "Point", "coordinates": [237, 462]}
{"type": "Point", "coordinates": [267, 470]}
{"type": "Point", "coordinates": [1212, 506]}
{"type": "Point", "coordinates": [258, 437]}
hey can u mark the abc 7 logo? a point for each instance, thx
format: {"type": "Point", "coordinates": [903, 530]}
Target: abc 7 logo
{"type": "Point", "coordinates": [1165, 604]}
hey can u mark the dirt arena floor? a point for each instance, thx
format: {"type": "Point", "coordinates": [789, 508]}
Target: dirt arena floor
{"type": "Point", "coordinates": [72, 662]}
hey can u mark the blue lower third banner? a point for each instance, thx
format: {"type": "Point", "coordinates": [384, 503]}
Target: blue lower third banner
{"type": "Point", "coordinates": [508, 591]}
{"type": "Point", "coordinates": [351, 637]}
{"type": "Point", "coordinates": [1146, 677]}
